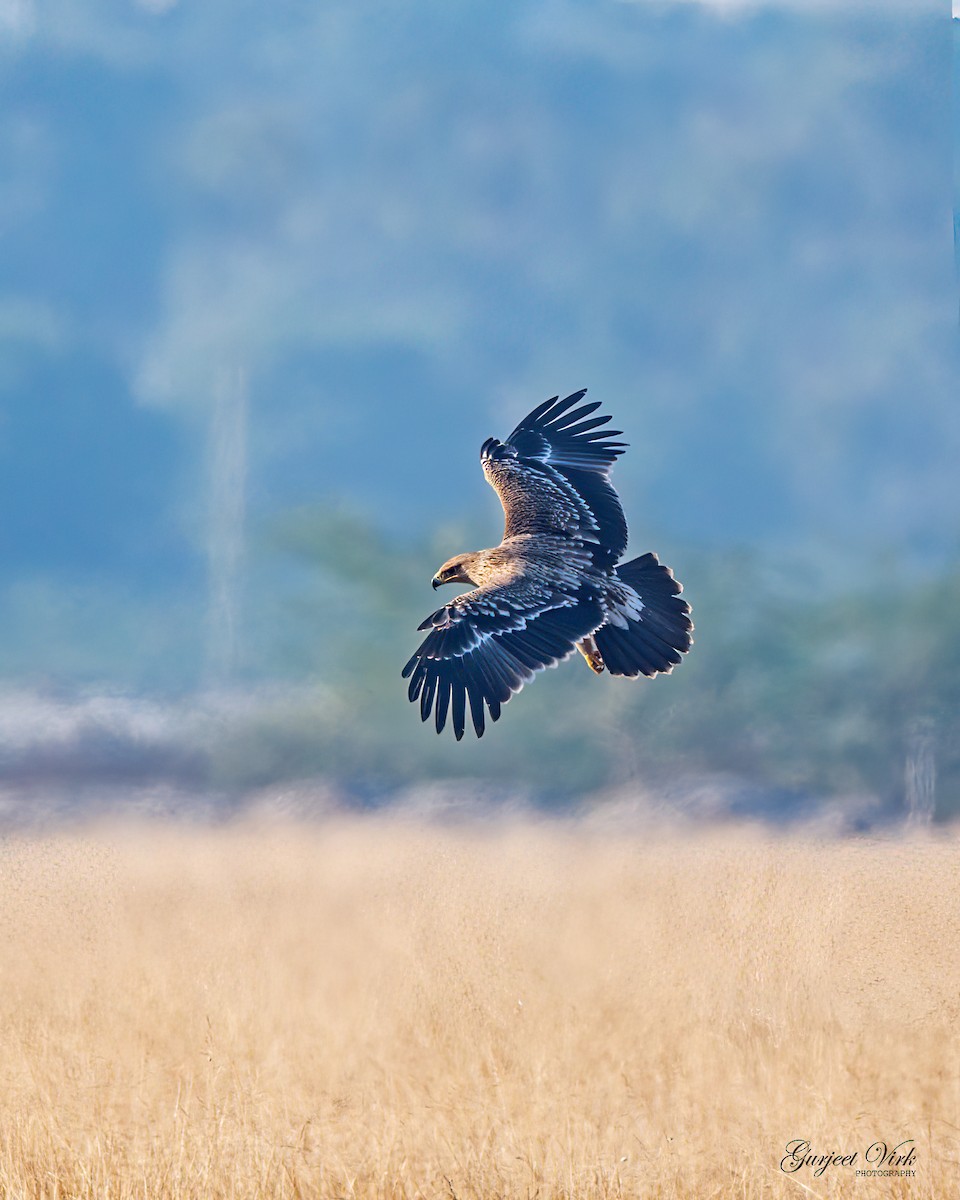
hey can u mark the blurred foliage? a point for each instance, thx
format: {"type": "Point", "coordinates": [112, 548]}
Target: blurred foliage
{"type": "Point", "coordinates": [792, 684]}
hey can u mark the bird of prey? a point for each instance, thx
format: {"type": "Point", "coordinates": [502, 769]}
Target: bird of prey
{"type": "Point", "coordinates": [554, 584]}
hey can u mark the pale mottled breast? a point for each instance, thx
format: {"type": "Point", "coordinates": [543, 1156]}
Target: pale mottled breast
{"type": "Point", "coordinates": [551, 559]}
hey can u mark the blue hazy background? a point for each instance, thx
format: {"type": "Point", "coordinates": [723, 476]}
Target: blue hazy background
{"type": "Point", "coordinates": [270, 274]}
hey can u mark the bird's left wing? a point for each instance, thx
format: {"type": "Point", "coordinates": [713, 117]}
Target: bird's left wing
{"type": "Point", "coordinates": [488, 643]}
{"type": "Point", "coordinates": [552, 475]}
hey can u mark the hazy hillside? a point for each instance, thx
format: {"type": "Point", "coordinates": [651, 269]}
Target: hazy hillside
{"type": "Point", "coordinates": [271, 275]}
{"type": "Point", "coordinates": [407, 223]}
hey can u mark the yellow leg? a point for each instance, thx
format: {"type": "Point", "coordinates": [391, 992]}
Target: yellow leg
{"type": "Point", "coordinates": [594, 659]}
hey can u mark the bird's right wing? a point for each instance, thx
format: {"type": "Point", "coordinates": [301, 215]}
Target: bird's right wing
{"type": "Point", "coordinates": [488, 643]}
{"type": "Point", "coordinates": [552, 475]}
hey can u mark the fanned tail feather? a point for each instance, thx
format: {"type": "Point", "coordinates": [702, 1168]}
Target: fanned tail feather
{"type": "Point", "coordinates": [655, 641]}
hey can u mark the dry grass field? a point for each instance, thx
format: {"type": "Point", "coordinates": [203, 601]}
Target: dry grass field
{"type": "Point", "coordinates": [369, 1007]}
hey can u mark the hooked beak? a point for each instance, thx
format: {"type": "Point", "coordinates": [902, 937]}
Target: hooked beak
{"type": "Point", "coordinates": [436, 582]}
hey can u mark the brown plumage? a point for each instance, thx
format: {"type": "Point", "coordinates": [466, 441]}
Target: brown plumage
{"type": "Point", "coordinates": [553, 585]}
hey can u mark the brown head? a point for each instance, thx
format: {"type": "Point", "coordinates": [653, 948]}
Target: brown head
{"type": "Point", "coordinates": [456, 570]}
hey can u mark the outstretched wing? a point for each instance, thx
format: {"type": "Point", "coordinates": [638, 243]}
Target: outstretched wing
{"type": "Point", "coordinates": [553, 476]}
{"type": "Point", "coordinates": [487, 644]}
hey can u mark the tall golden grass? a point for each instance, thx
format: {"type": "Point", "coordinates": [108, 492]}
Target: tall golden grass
{"type": "Point", "coordinates": [369, 1007]}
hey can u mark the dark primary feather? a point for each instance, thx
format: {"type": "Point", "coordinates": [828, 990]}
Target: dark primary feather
{"type": "Point", "coordinates": [564, 439]}
{"type": "Point", "coordinates": [484, 652]}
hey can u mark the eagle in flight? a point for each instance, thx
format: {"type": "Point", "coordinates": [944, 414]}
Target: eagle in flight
{"type": "Point", "coordinates": [554, 584]}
